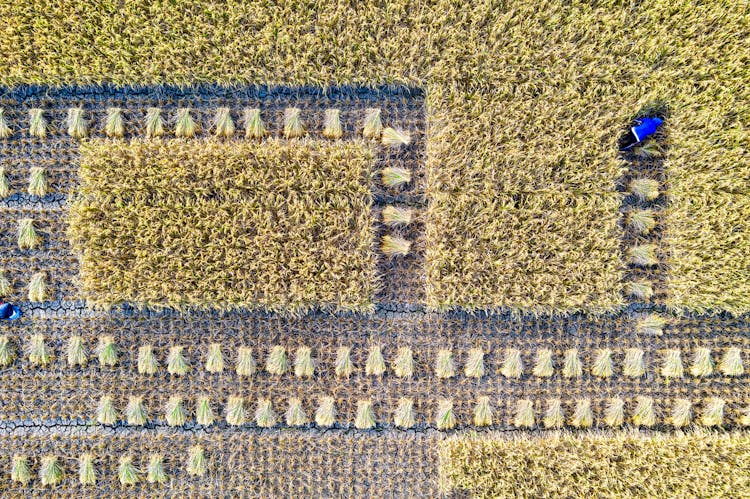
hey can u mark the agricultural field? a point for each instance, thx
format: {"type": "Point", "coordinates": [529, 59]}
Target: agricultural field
{"type": "Point", "coordinates": [394, 243]}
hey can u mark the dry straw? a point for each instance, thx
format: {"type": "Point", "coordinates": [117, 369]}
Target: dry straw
{"type": "Point", "coordinates": [332, 128]}
{"type": "Point", "coordinates": [395, 246]}
{"type": "Point", "coordinates": [114, 124]}
{"type": "Point", "coordinates": [682, 413]}
{"type": "Point", "coordinates": [77, 124]}
{"type": "Point", "coordinates": [641, 221]}
{"type": "Point", "coordinates": [127, 473]}
{"type": "Point", "coordinates": [197, 464]}
{"type": "Point", "coordinates": [375, 365]}
{"type": "Point", "coordinates": [38, 184]}
{"type": "Point", "coordinates": [444, 365]}
{"type": "Point", "coordinates": [703, 364]}
{"type": "Point", "coordinates": [640, 289]}
{"type": "Point", "coordinates": [76, 352]}
{"type": "Point", "coordinates": [185, 126]}
{"type": "Point", "coordinates": [614, 415]}
{"type": "Point", "coordinates": [672, 364]}
{"type": "Point", "coordinates": [7, 353]}
{"type": "Point", "coordinates": [254, 126]}
{"type": "Point", "coordinates": [483, 413]}
{"type": "Point", "coordinates": [344, 366]}
{"type": "Point", "coordinates": [524, 417]}
{"type": "Point", "coordinates": [395, 137]}
{"type": "Point", "coordinates": [544, 366]}
{"type": "Point", "coordinates": [86, 471]}
{"type": "Point", "coordinates": [365, 419]}
{"type": "Point", "coordinates": [372, 128]}
{"type": "Point", "coordinates": [403, 364]}
{"type": "Point", "coordinates": [147, 363]}
{"type": "Point", "coordinates": [554, 416]}
{"type": "Point", "coordinates": [295, 413]}
{"type": "Point", "coordinates": [395, 176]}
{"type": "Point", "coordinates": [214, 358]}
{"type": "Point", "coordinates": [37, 123]}
{"type": "Point", "coordinates": [4, 184]}
{"type": "Point", "coordinates": [643, 255]}
{"type": "Point", "coordinates": [645, 189]}
{"type": "Point", "coordinates": [474, 367]}
{"type": "Point", "coordinates": [174, 412]}
{"type": "Point", "coordinates": [246, 365]}
{"type": "Point", "coordinates": [277, 362]}
{"type": "Point", "coordinates": [651, 324]}
{"type": "Point", "coordinates": [634, 365]}
{"type": "Point", "coordinates": [6, 287]}
{"type": "Point", "coordinates": [445, 419]}
{"type": "Point", "coordinates": [731, 363]}
{"type": "Point", "coordinates": [106, 350]}
{"type": "Point", "coordinates": [293, 126]}
{"type": "Point", "coordinates": [396, 216]}
{"type": "Point", "coordinates": [135, 412]}
{"type": "Point", "coordinates": [204, 415]}
{"type": "Point", "coordinates": [177, 364]}
{"type": "Point", "coordinates": [325, 414]}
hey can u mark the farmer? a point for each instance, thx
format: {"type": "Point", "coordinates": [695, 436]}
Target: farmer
{"type": "Point", "coordinates": [9, 312]}
{"type": "Point", "coordinates": [644, 128]}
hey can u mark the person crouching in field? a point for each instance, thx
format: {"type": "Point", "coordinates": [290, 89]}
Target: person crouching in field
{"type": "Point", "coordinates": [9, 312]}
{"type": "Point", "coordinates": [644, 128]}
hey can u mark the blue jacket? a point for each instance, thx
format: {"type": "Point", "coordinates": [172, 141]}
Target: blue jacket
{"type": "Point", "coordinates": [646, 127]}
{"type": "Point", "coordinates": [9, 312]}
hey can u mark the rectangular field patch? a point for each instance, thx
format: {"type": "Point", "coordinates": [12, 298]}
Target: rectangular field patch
{"type": "Point", "coordinates": [281, 226]}
{"type": "Point", "coordinates": [598, 465]}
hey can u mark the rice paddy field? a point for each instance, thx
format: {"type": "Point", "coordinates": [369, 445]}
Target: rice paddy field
{"type": "Point", "coordinates": [386, 249]}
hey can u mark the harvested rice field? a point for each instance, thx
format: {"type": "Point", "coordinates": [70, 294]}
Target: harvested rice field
{"type": "Point", "coordinates": [394, 249]}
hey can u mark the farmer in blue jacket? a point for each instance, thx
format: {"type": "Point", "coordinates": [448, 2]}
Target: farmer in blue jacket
{"type": "Point", "coordinates": [9, 312]}
{"type": "Point", "coordinates": [644, 128]}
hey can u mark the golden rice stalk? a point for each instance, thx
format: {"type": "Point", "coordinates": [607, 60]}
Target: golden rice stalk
{"type": "Point", "coordinates": [147, 363]}
{"type": "Point", "coordinates": [344, 366]}
{"type": "Point", "coordinates": [365, 419]}
{"type": "Point", "coordinates": [20, 469]}
{"type": "Point", "coordinates": [524, 417]}
{"type": "Point", "coordinates": [643, 255]}
{"type": "Point", "coordinates": [713, 412]}
{"type": "Point", "coordinates": [197, 464]}
{"type": "Point", "coordinates": [86, 471]}
{"type": "Point", "coordinates": [7, 355]}
{"type": "Point", "coordinates": [651, 324]}
{"type": "Point", "coordinates": [633, 365]}
{"type": "Point", "coordinates": [640, 290]}
{"type": "Point", "coordinates": [265, 417]}
{"type": "Point", "coordinates": [304, 365]}
{"type": "Point", "coordinates": [135, 412]}
{"type": "Point", "coordinates": [512, 364]}
{"type": "Point", "coordinates": [177, 364]}
{"type": "Point", "coordinates": [744, 419]}
{"type": "Point", "coordinates": [184, 125]}
{"type": "Point", "coordinates": [393, 137]}
{"type": "Point", "coordinates": [703, 364]}
{"type": "Point", "coordinates": [4, 184]}
{"type": "Point", "coordinates": [214, 358]}
{"type": "Point", "coordinates": [372, 128]}
{"type": "Point", "coordinates": [245, 362]}
{"type": "Point", "coordinates": [236, 414]}
{"type": "Point", "coordinates": [483, 412]}
{"type": "Point", "coordinates": [155, 470]}
{"type": "Point", "coordinates": [293, 127]}
{"type": "Point", "coordinates": [5, 130]}
{"type": "Point", "coordinates": [154, 123]}
{"type": "Point", "coordinates": [295, 413]}
{"type": "Point", "coordinates": [50, 472]}
{"type": "Point", "coordinates": [106, 413]}
{"type": "Point", "coordinates": [644, 189]}
{"type": "Point", "coordinates": [6, 287]}
{"type": "Point", "coordinates": [444, 418]}
{"type": "Point", "coordinates": [204, 415]}
{"type": "Point", "coordinates": [107, 351]}
{"type": "Point", "coordinates": [38, 184]}
{"type": "Point", "coordinates": [403, 364]}
{"type": "Point", "coordinates": [682, 413]}
{"type": "Point", "coordinates": [325, 414]}
{"type": "Point", "coordinates": [37, 123]}
{"type": "Point", "coordinates": [583, 416]}
{"type": "Point", "coordinates": [77, 125]}
{"type": "Point", "coordinates": [375, 365]}
{"type": "Point", "coordinates": [395, 216]}
{"type": "Point", "coordinates": [602, 366]}
{"type": "Point", "coordinates": [644, 414]}
{"type": "Point", "coordinates": [127, 473]}
{"type": "Point", "coordinates": [27, 235]}
{"type": "Point", "coordinates": [394, 176]}
{"type": "Point", "coordinates": [444, 365]}
{"type": "Point", "coordinates": [394, 246]}
{"type": "Point", "coordinates": [254, 127]}
{"type": "Point", "coordinates": [332, 128]}
{"type": "Point", "coordinates": [554, 417]}
{"type": "Point", "coordinates": [277, 362]}
{"type": "Point", "coordinates": [114, 124]}
{"type": "Point", "coordinates": [641, 221]}
{"type": "Point", "coordinates": [672, 367]}
{"type": "Point", "coordinates": [572, 367]}
{"type": "Point", "coordinates": [474, 367]}
{"type": "Point", "coordinates": [37, 351]}
{"type": "Point", "coordinates": [174, 412]}
{"type": "Point", "coordinates": [614, 415]}
{"type": "Point", "coordinates": [403, 416]}
{"type": "Point", "coordinates": [223, 123]}
{"type": "Point", "coordinates": [76, 350]}
{"type": "Point", "coordinates": [544, 366]}
{"type": "Point", "coordinates": [38, 287]}
{"type": "Point", "coordinates": [731, 363]}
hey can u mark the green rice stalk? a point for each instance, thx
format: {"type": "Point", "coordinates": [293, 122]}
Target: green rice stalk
{"type": "Point", "coordinates": [77, 125]}
{"type": "Point", "coordinates": [524, 417]}
{"type": "Point", "coordinates": [265, 417]}
{"type": "Point", "coordinates": [332, 128]}
{"type": "Point", "coordinates": [223, 124]}
{"type": "Point", "coordinates": [365, 419]}
{"type": "Point", "coordinates": [277, 362]}
{"type": "Point", "coordinates": [185, 126]}
{"type": "Point", "coordinates": [7, 354]}
{"type": "Point", "coordinates": [4, 184]}
{"type": "Point", "coordinates": [602, 366]}
{"type": "Point", "coordinates": [512, 364]}
{"type": "Point", "coordinates": [37, 123]}
{"type": "Point", "coordinates": [544, 366]}
{"type": "Point", "coordinates": [295, 414]}
{"type": "Point", "coordinates": [106, 414]}
{"type": "Point", "coordinates": [245, 362]}
{"type": "Point", "coordinates": [614, 414]}
{"type": "Point", "coordinates": [325, 414]}
{"type": "Point", "coordinates": [444, 366]}
{"type": "Point", "coordinates": [37, 351]}
{"type": "Point", "coordinates": [177, 364]}
{"type": "Point", "coordinates": [483, 413]}
{"type": "Point", "coordinates": [107, 351]}
{"type": "Point", "coordinates": [554, 416]}
{"type": "Point", "coordinates": [640, 290]}
{"type": "Point", "coordinates": [135, 412]}
{"type": "Point", "coordinates": [583, 416]}
{"type": "Point", "coordinates": [713, 412]}
{"type": "Point", "coordinates": [127, 473]}
{"type": "Point", "coordinates": [474, 367]}
{"type": "Point", "coordinates": [403, 364]}
{"type": "Point", "coordinates": [254, 127]}
{"type": "Point", "coordinates": [642, 221]}
{"type": "Point", "coordinates": [373, 126]}
{"type": "Point", "coordinates": [38, 184]}
{"type": "Point", "coordinates": [214, 359]}
{"type": "Point", "coordinates": [395, 246]}
{"type": "Point", "coordinates": [651, 324]}
{"type": "Point", "coordinates": [293, 127]}
{"type": "Point", "coordinates": [147, 363]}
{"type": "Point", "coordinates": [28, 238]}
{"type": "Point", "coordinates": [154, 123]}
{"type": "Point", "coordinates": [394, 216]}
{"type": "Point", "coordinates": [393, 137]}
{"type": "Point", "coordinates": [394, 176]}
{"type": "Point", "coordinates": [344, 367]}
{"type": "Point", "coordinates": [643, 255]}
{"type": "Point", "coordinates": [20, 469]}
{"type": "Point", "coordinates": [672, 366]}
{"type": "Point", "coordinates": [204, 415]}
{"type": "Point", "coordinates": [155, 470]}
{"type": "Point", "coordinates": [5, 130]}
{"type": "Point", "coordinates": [77, 353]}
{"type": "Point", "coordinates": [403, 416]}
{"type": "Point", "coordinates": [86, 471]}
{"type": "Point", "coordinates": [682, 413]}
{"type": "Point", "coordinates": [304, 366]}
{"type": "Point", "coordinates": [197, 465]}
{"type": "Point", "coordinates": [702, 364]}
{"type": "Point", "coordinates": [645, 189]}
{"type": "Point", "coordinates": [634, 365]}
{"type": "Point", "coordinates": [375, 365]}
{"type": "Point", "coordinates": [731, 363]}
{"type": "Point", "coordinates": [50, 472]}
{"type": "Point", "coordinates": [236, 414]}
{"type": "Point", "coordinates": [114, 124]}
{"type": "Point", "coordinates": [174, 413]}
{"type": "Point", "coordinates": [444, 418]}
